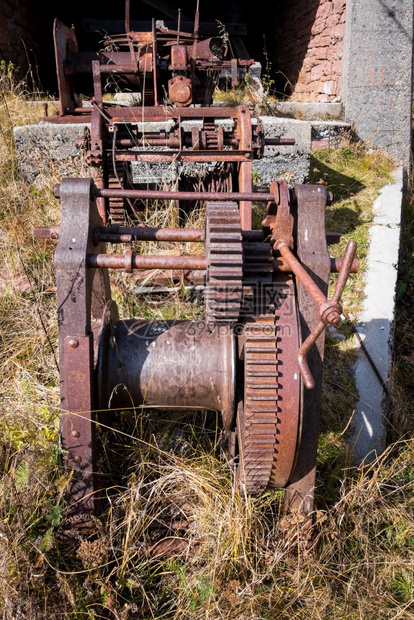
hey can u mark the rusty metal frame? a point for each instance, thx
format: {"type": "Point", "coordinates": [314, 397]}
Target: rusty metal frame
{"type": "Point", "coordinates": [200, 58]}
{"type": "Point", "coordinates": [65, 44]}
{"type": "Point", "coordinates": [81, 295]}
{"type": "Point", "coordinates": [313, 253]}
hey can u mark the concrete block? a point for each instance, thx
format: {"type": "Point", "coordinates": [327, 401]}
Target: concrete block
{"type": "Point", "coordinates": [332, 134]}
{"type": "Point", "coordinates": [308, 111]}
{"type": "Point", "coordinates": [46, 146]}
{"type": "Point", "coordinates": [290, 163]}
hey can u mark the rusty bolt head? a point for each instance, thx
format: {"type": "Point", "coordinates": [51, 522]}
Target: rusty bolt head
{"type": "Point", "coordinates": [73, 343]}
{"type": "Point", "coordinates": [75, 434]}
{"type": "Point", "coordinates": [333, 318]}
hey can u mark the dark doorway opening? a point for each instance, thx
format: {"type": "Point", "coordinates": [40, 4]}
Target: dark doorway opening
{"type": "Point", "coordinates": [255, 23]}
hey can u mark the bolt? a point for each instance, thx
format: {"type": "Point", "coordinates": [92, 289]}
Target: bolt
{"type": "Point", "coordinates": [73, 343]}
{"type": "Point", "coordinates": [75, 434]}
{"type": "Point", "coordinates": [333, 318]}
{"type": "Point", "coordinates": [77, 459]}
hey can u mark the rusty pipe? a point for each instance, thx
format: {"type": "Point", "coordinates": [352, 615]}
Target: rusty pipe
{"type": "Point", "coordinates": [280, 141]}
{"type": "Point", "coordinates": [280, 264]}
{"type": "Point", "coordinates": [345, 269]}
{"type": "Point", "coordinates": [125, 234]}
{"type": "Point", "coordinates": [304, 369]}
{"type": "Point", "coordinates": [336, 265]}
{"type": "Point", "coordinates": [46, 232]}
{"type": "Point", "coordinates": [168, 195]}
{"type": "Point", "coordinates": [169, 141]}
{"type": "Point", "coordinates": [129, 261]}
{"type": "Point", "coordinates": [311, 287]}
{"type": "Point", "coordinates": [127, 69]}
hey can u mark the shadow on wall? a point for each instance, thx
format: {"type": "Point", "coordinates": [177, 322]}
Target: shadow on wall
{"type": "Point", "coordinates": [293, 35]}
{"type": "Point", "coordinates": [391, 13]}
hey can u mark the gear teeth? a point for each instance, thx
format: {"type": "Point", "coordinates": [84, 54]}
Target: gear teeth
{"type": "Point", "coordinates": [260, 409]}
{"type": "Point", "coordinates": [116, 205]}
{"type": "Point", "coordinates": [224, 287]}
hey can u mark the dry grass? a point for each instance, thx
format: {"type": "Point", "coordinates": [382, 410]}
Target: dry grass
{"type": "Point", "coordinates": [235, 561]}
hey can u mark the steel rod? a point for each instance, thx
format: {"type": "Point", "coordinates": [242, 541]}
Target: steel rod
{"type": "Point", "coordinates": [302, 275]}
{"type": "Point", "coordinates": [188, 196]}
{"type": "Point", "coordinates": [169, 195]}
{"type": "Point", "coordinates": [130, 261]}
{"type": "Point", "coordinates": [345, 270]}
{"type": "Point", "coordinates": [280, 141]}
{"type": "Point", "coordinates": [124, 234]}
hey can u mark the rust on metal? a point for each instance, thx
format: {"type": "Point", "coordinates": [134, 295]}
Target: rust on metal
{"type": "Point", "coordinates": [138, 194]}
{"type": "Point", "coordinates": [129, 261]}
{"type": "Point", "coordinates": [224, 258]}
{"type": "Point", "coordinates": [256, 354]}
{"type": "Point", "coordinates": [268, 419]}
{"type": "Point", "coordinates": [168, 365]}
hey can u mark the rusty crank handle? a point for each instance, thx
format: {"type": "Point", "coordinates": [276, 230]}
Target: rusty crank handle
{"type": "Point", "coordinates": [307, 345]}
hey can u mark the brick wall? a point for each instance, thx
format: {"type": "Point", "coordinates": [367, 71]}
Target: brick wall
{"type": "Point", "coordinates": [18, 25]}
{"type": "Point", "coordinates": [309, 45]}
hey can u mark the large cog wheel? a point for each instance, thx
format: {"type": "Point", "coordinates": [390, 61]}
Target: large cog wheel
{"type": "Point", "coordinates": [224, 252]}
{"type": "Point", "coordinates": [268, 419]}
{"type": "Point", "coordinates": [257, 423]}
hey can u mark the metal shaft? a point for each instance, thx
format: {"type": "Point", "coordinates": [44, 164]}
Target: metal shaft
{"type": "Point", "coordinates": [129, 261]}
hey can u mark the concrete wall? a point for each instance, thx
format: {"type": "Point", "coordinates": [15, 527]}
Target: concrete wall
{"type": "Point", "coordinates": [309, 45]}
{"type": "Point", "coordinates": [377, 82]}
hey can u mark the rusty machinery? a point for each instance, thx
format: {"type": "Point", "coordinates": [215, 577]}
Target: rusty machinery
{"type": "Point", "coordinates": [118, 139]}
{"type": "Point", "coordinates": [159, 66]}
{"type": "Point", "coordinates": [257, 355]}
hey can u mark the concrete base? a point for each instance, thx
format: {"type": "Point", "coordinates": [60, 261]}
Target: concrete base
{"type": "Point", "coordinates": [47, 146]}
{"type": "Point", "coordinates": [307, 111]}
{"type": "Point", "coordinates": [376, 325]}
{"type": "Point", "coordinates": [330, 134]}
{"type": "Point", "coordinates": [289, 163]}
{"type": "Point", "coordinates": [377, 74]}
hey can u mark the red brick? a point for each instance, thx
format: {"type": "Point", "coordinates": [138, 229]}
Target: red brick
{"type": "Point", "coordinates": [325, 10]}
{"type": "Point", "coordinates": [330, 88]}
{"type": "Point", "coordinates": [336, 68]}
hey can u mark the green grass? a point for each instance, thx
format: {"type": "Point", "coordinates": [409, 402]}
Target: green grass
{"type": "Point", "coordinates": [235, 562]}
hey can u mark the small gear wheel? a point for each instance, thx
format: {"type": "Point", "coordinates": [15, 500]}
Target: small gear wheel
{"type": "Point", "coordinates": [224, 252]}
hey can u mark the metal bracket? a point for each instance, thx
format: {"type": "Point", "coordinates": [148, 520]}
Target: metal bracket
{"type": "Point", "coordinates": [81, 298]}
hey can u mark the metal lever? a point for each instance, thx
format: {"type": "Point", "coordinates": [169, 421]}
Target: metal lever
{"type": "Point", "coordinates": [326, 318]}
{"type": "Point", "coordinates": [329, 310]}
